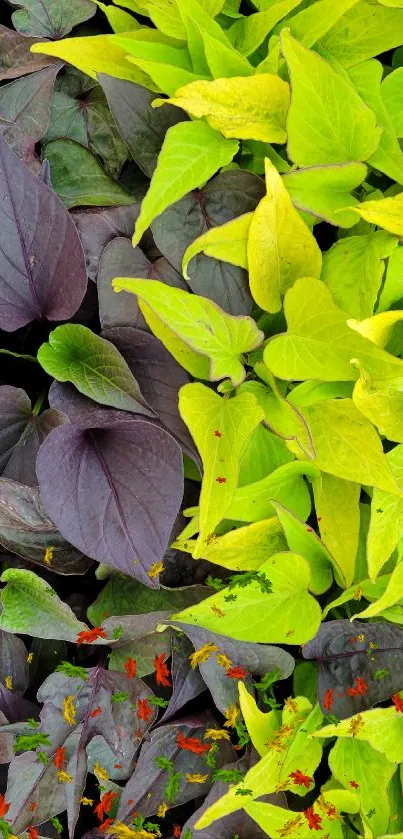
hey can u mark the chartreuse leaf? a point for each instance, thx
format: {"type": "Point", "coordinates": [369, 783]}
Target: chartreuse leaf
{"type": "Point", "coordinates": [327, 122]}
{"type": "Point", "coordinates": [362, 589]}
{"type": "Point", "coordinates": [95, 54]}
{"type": "Point", "coordinates": [319, 344]}
{"type": "Point", "coordinates": [356, 760]}
{"type": "Point", "coordinates": [338, 513]}
{"type": "Point", "coordinates": [388, 157]}
{"type": "Point", "coordinates": [226, 242]}
{"type": "Point", "coordinates": [280, 414]}
{"type": "Point", "coordinates": [359, 35]}
{"type": "Point", "coordinates": [291, 748]}
{"type": "Point", "coordinates": [281, 823]}
{"type": "Point", "coordinates": [303, 540]}
{"type": "Point", "coordinates": [200, 323]}
{"type": "Point", "coordinates": [280, 247]}
{"type": "Point", "coordinates": [224, 61]}
{"type": "Point", "coordinates": [386, 213]}
{"type": "Point", "coordinates": [96, 368]}
{"type": "Point", "coordinates": [191, 153]}
{"type": "Point", "coordinates": [312, 23]}
{"type": "Point", "coordinates": [324, 191]}
{"type": "Point", "coordinates": [286, 615]}
{"type": "Point", "coordinates": [381, 401]}
{"type": "Point", "coordinates": [245, 107]}
{"type": "Point", "coordinates": [382, 728]}
{"type": "Point", "coordinates": [248, 33]}
{"type": "Point", "coordinates": [149, 44]}
{"type": "Point", "coordinates": [379, 327]}
{"type": "Point", "coordinates": [30, 606]}
{"type": "Point", "coordinates": [253, 502]}
{"type": "Point", "coordinates": [118, 19]}
{"type": "Point", "coordinates": [243, 549]}
{"type": "Point", "coordinates": [391, 595]}
{"type": "Point", "coordinates": [392, 97]}
{"type": "Point", "coordinates": [261, 727]}
{"type": "Point", "coordinates": [353, 269]}
{"type": "Point", "coordinates": [386, 523]}
{"type": "Point", "coordinates": [220, 428]}
{"type": "Point", "coordinates": [165, 77]}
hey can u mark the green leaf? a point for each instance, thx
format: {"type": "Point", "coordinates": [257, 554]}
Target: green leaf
{"type": "Point", "coordinates": [312, 23]}
{"type": "Point", "coordinates": [360, 589]}
{"type": "Point", "coordinates": [50, 18]}
{"type": "Point", "coordinates": [248, 33]}
{"type": "Point", "coordinates": [286, 485]}
{"type": "Point", "coordinates": [79, 179]}
{"type": "Point", "coordinates": [200, 324]}
{"type": "Point", "coordinates": [303, 540]}
{"type": "Point", "coordinates": [353, 269]}
{"type": "Point", "coordinates": [191, 153]}
{"type": "Point", "coordinates": [95, 54]}
{"type": "Point", "coordinates": [165, 77]}
{"type": "Point", "coordinates": [287, 615]}
{"type": "Point", "coordinates": [386, 213]}
{"type": "Point", "coordinates": [324, 191]}
{"type": "Point", "coordinates": [118, 19]}
{"type": "Point", "coordinates": [226, 242]}
{"type": "Point", "coordinates": [280, 248]}
{"type": "Point", "coordinates": [362, 33]}
{"type": "Point", "coordinates": [386, 523]}
{"type": "Point", "coordinates": [338, 512]}
{"type": "Point", "coordinates": [392, 289]}
{"type": "Point", "coordinates": [243, 549]}
{"type": "Point", "coordinates": [382, 728]}
{"type": "Point", "coordinates": [316, 132]}
{"type": "Point", "coordinates": [224, 61]}
{"type": "Point", "coordinates": [392, 98]}
{"type": "Point", "coordinates": [151, 45]}
{"type": "Point", "coordinates": [96, 368]}
{"type": "Point", "coordinates": [220, 428]}
{"type": "Point", "coordinates": [261, 727]}
{"type": "Point", "coordinates": [30, 606]}
{"type": "Point", "coordinates": [391, 595]}
{"type": "Point", "coordinates": [279, 413]}
{"type": "Point", "coordinates": [381, 401]}
{"type": "Point", "coordinates": [319, 344]}
{"type": "Point", "coordinates": [124, 596]}
{"type": "Point", "coordinates": [245, 107]}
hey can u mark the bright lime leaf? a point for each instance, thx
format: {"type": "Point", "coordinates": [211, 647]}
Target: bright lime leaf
{"type": "Point", "coordinates": [338, 512]}
{"type": "Point", "coordinates": [324, 191]}
{"type": "Point", "coordinates": [191, 153]}
{"type": "Point", "coordinates": [379, 327]}
{"type": "Point", "coordinates": [118, 19]}
{"type": "Point", "coordinates": [280, 415]}
{"type": "Point", "coordinates": [386, 523]}
{"type": "Point", "coordinates": [312, 23]}
{"type": "Point", "coordinates": [243, 549]}
{"type": "Point", "coordinates": [261, 727]}
{"type": "Point", "coordinates": [285, 484]}
{"type": "Point", "coordinates": [287, 615]}
{"type": "Point", "coordinates": [281, 248]}
{"type": "Point", "coordinates": [392, 288]}
{"type": "Point", "coordinates": [391, 595]}
{"type": "Point", "coordinates": [279, 821]}
{"type": "Point", "coordinates": [382, 728]}
{"type": "Point", "coordinates": [220, 428]}
{"type": "Point", "coordinates": [361, 589]}
{"type": "Point", "coordinates": [392, 97]}
{"type": "Point", "coordinates": [362, 33]}
{"type": "Point", "coordinates": [75, 354]}
{"type": "Point", "coordinates": [248, 33]}
{"type": "Point", "coordinates": [223, 61]}
{"type": "Point", "coordinates": [386, 213]}
{"type": "Point", "coordinates": [31, 607]}
{"type": "Point", "coordinates": [319, 344]}
{"type": "Point", "coordinates": [327, 122]}
{"type": "Point", "coordinates": [227, 242]}
{"type": "Point", "coordinates": [200, 324]}
{"type": "Point", "coordinates": [381, 401]}
{"type": "Point", "coordinates": [95, 54]}
{"type": "Point", "coordinates": [353, 269]}
{"type": "Point", "coordinates": [303, 540]}
{"type": "Point", "coordinates": [249, 108]}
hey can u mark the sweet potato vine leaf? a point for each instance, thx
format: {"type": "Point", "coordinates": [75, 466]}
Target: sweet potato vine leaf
{"type": "Point", "coordinates": [30, 605]}
{"type": "Point", "coordinates": [50, 18]}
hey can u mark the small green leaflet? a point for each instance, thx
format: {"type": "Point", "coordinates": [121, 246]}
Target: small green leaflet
{"type": "Point", "coordinates": [199, 323]}
{"type": "Point", "coordinates": [253, 502]}
{"type": "Point", "coordinates": [303, 540]}
{"type": "Point", "coordinates": [96, 368]}
{"type": "Point", "coordinates": [30, 606]}
{"type": "Point", "coordinates": [226, 242]}
{"type": "Point", "coordinates": [79, 179]}
{"type": "Point", "coordinates": [324, 191]}
{"type": "Point", "coordinates": [191, 153]}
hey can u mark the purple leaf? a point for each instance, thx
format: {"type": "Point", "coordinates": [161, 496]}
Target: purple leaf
{"type": "Point", "coordinates": [15, 56]}
{"type": "Point", "coordinates": [6, 743]}
{"type": "Point", "coordinates": [25, 112]}
{"type": "Point", "coordinates": [80, 409]}
{"type": "Point", "coordinates": [99, 225]}
{"type": "Point", "coordinates": [186, 683]}
{"type": "Point", "coordinates": [42, 269]}
{"type": "Point", "coordinates": [258, 659]}
{"type": "Point", "coordinates": [348, 650]}
{"type": "Point", "coordinates": [30, 782]}
{"type": "Point", "coordinates": [13, 662]}
{"type": "Point", "coordinates": [21, 434]}
{"type": "Point", "coordinates": [113, 491]}
{"type": "Point", "coordinates": [228, 195]}
{"type": "Point", "coordinates": [142, 127]}
{"type": "Point", "coordinates": [26, 530]}
{"type": "Point", "coordinates": [159, 376]}
{"type": "Point", "coordinates": [145, 789]}
{"type": "Point", "coordinates": [14, 707]}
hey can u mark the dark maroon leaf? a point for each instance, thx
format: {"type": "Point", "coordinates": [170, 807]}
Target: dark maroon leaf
{"type": "Point", "coordinates": [25, 112]}
{"type": "Point", "coordinates": [27, 531]}
{"type": "Point", "coordinates": [13, 662]}
{"type": "Point", "coordinates": [42, 269]}
{"type": "Point", "coordinates": [14, 707]}
{"type": "Point", "coordinates": [142, 127]}
{"type": "Point", "coordinates": [21, 434]}
{"type": "Point", "coordinates": [258, 659]}
{"type": "Point", "coordinates": [145, 789]}
{"type": "Point", "coordinates": [120, 259]}
{"type": "Point", "coordinates": [50, 18]}
{"type": "Point", "coordinates": [80, 409]}
{"type": "Point", "coordinates": [225, 197]}
{"type": "Point", "coordinates": [113, 491]}
{"type": "Point", "coordinates": [348, 650]}
{"type": "Point", "coordinates": [15, 56]}
{"type": "Point", "coordinates": [159, 376]}
{"type": "Point", "coordinates": [98, 226]}
{"type": "Point", "coordinates": [186, 683]}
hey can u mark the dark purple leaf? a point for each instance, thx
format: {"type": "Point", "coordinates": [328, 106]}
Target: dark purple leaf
{"type": "Point", "coordinates": [146, 786]}
{"type": "Point", "coordinates": [21, 434]}
{"type": "Point", "coordinates": [13, 662]}
{"type": "Point", "coordinates": [159, 376]}
{"type": "Point", "coordinates": [258, 659]}
{"type": "Point", "coordinates": [42, 269]}
{"type": "Point", "coordinates": [6, 743]}
{"type": "Point", "coordinates": [113, 491]}
{"type": "Point", "coordinates": [50, 18]}
{"type": "Point", "coordinates": [14, 707]}
{"type": "Point", "coordinates": [27, 531]}
{"type": "Point", "coordinates": [343, 657]}
{"type": "Point", "coordinates": [15, 56]}
{"type": "Point", "coordinates": [44, 174]}
{"type": "Point", "coordinates": [120, 259]}
{"type": "Point", "coordinates": [142, 127]}
{"type": "Point", "coordinates": [225, 197]}
{"type": "Point", "coordinates": [80, 409]}
{"type": "Point", "coordinates": [25, 112]}
{"type": "Point", "coordinates": [29, 781]}
{"type": "Point", "coordinates": [99, 225]}
{"type": "Point", "coordinates": [186, 683]}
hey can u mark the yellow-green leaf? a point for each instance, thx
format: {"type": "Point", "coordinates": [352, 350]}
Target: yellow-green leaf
{"type": "Point", "coordinates": [324, 191]}
{"type": "Point", "coordinates": [381, 727]}
{"type": "Point", "coordinates": [338, 514]}
{"type": "Point", "coordinates": [279, 413]}
{"type": "Point", "coordinates": [392, 97]}
{"type": "Point", "coordinates": [303, 540]}
{"type": "Point", "coordinates": [285, 484]}
{"type": "Point", "coordinates": [227, 242]}
{"type": "Point", "coordinates": [243, 549]}
{"type": "Point", "coordinates": [386, 523]}
{"type": "Point", "coordinates": [381, 401]}
{"type": "Point", "coordinates": [386, 213]}
{"type": "Point", "coordinates": [118, 19]}
{"type": "Point", "coordinates": [393, 594]}
{"type": "Point", "coordinates": [248, 33]}
{"type": "Point", "coordinates": [312, 23]}
{"type": "Point", "coordinates": [261, 727]}
{"type": "Point", "coordinates": [95, 54]}
{"type": "Point", "coordinates": [281, 247]}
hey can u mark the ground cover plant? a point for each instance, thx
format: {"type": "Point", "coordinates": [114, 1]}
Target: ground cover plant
{"type": "Point", "coordinates": [201, 419]}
